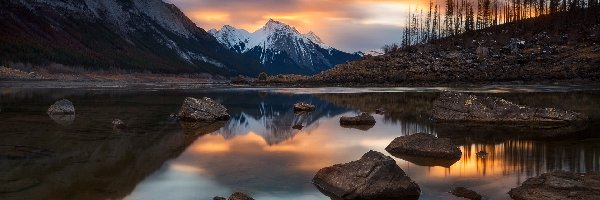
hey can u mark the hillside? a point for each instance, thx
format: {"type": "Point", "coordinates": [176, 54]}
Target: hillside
{"type": "Point", "coordinates": [126, 35]}
{"type": "Point", "coordinates": [558, 47]}
{"type": "Point", "coordinates": [282, 49]}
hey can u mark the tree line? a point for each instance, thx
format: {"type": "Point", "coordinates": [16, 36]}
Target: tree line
{"type": "Point", "coordinates": [454, 17]}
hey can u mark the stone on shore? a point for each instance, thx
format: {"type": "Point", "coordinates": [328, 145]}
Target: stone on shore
{"type": "Point", "coordinates": [118, 124]}
{"type": "Point", "coordinates": [424, 145]}
{"type": "Point", "coordinates": [362, 119]}
{"type": "Point", "coordinates": [61, 107]}
{"type": "Point", "coordinates": [303, 107]}
{"type": "Point", "coordinates": [373, 176]}
{"type": "Point", "coordinates": [559, 185]}
{"type": "Point", "coordinates": [466, 193]}
{"type": "Point", "coordinates": [202, 110]}
{"type": "Point", "coordinates": [460, 107]}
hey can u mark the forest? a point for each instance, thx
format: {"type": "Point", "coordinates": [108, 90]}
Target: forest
{"type": "Point", "coordinates": [454, 17]}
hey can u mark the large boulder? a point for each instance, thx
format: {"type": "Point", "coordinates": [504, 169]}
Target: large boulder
{"type": "Point", "coordinates": [61, 107]}
{"type": "Point", "coordinates": [425, 148]}
{"type": "Point", "coordinates": [202, 110]}
{"type": "Point", "coordinates": [374, 176]}
{"type": "Point", "coordinates": [559, 185]}
{"type": "Point", "coordinates": [362, 119]}
{"type": "Point", "coordinates": [460, 107]}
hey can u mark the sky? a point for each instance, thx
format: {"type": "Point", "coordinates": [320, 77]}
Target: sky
{"type": "Point", "coordinates": [349, 25]}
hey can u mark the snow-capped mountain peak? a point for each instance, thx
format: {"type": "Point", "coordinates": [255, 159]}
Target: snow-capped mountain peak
{"type": "Point", "coordinates": [277, 44]}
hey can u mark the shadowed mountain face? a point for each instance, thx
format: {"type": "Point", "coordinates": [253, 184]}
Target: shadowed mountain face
{"type": "Point", "coordinates": [134, 35]}
{"type": "Point", "coordinates": [257, 151]}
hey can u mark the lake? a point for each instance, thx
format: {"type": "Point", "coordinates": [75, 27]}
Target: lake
{"type": "Point", "coordinates": [257, 151]}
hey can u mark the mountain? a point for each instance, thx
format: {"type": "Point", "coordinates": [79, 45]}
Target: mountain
{"type": "Point", "coordinates": [282, 49]}
{"type": "Point", "coordinates": [132, 35]}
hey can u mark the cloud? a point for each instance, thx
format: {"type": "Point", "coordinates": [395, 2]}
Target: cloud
{"type": "Point", "coordinates": [350, 25]}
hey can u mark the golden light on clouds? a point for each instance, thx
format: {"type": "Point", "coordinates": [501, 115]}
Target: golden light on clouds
{"type": "Point", "coordinates": [347, 24]}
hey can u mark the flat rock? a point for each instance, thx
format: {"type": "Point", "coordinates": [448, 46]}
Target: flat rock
{"type": "Point", "coordinates": [559, 185]}
{"type": "Point", "coordinates": [460, 107]}
{"type": "Point", "coordinates": [424, 145]}
{"type": "Point", "coordinates": [373, 176]}
{"type": "Point", "coordinates": [61, 107]}
{"type": "Point", "coordinates": [202, 110]}
{"type": "Point", "coordinates": [362, 119]}
{"type": "Point", "coordinates": [304, 107]}
{"type": "Point", "coordinates": [466, 193]}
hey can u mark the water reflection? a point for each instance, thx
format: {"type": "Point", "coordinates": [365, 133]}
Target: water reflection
{"type": "Point", "coordinates": [257, 151]}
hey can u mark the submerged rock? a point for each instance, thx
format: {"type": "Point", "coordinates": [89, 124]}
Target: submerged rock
{"type": "Point", "coordinates": [362, 119]}
{"type": "Point", "coordinates": [359, 127]}
{"type": "Point", "coordinates": [466, 193]}
{"type": "Point", "coordinates": [63, 119]}
{"type": "Point", "coordinates": [304, 107]}
{"type": "Point", "coordinates": [239, 196]}
{"type": "Point", "coordinates": [118, 124]}
{"type": "Point", "coordinates": [424, 145]}
{"type": "Point", "coordinates": [199, 110]}
{"type": "Point", "coordinates": [10, 186]}
{"type": "Point", "coordinates": [62, 107]}
{"type": "Point", "coordinates": [559, 185]}
{"type": "Point", "coordinates": [373, 176]}
{"type": "Point", "coordinates": [219, 198]}
{"type": "Point", "coordinates": [456, 107]}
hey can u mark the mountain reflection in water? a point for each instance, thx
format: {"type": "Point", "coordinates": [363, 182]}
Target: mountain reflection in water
{"type": "Point", "coordinates": [257, 151]}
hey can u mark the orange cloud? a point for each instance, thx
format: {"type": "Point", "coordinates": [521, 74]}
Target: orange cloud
{"type": "Point", "coordinates": [379, 21]}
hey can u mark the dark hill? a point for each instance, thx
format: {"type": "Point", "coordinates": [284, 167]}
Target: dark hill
{"type": "Point", "coordinates": [557, 47]}
{"type": "Point", "coordinates": [129, 35]}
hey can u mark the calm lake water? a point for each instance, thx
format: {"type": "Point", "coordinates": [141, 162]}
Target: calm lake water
{"type": "Point", "coordinates": [257, 151]}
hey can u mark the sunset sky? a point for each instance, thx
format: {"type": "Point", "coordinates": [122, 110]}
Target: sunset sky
{"type": "Point", "coordinates": [349, 25]}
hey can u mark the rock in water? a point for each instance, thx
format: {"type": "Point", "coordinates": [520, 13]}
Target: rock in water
{"type": "Point", "coordinates": [362, 119]}
{"type": "Point", "coordinates": [374, 176]}
{"type": "Point", "coordinates": [559, 185]}
{"type": "Point", "coordinates": [118, 124]}
{"type": "Point", "coordinates": [304, 107]}
{"type": "Point", "coordinates": [202, 110]}
{"type": "Point", "coordinates": [239, 196]}
{"type": "Point", "coordinates": [219, 198]}
{"type": "Point", "coordinates": [466, 193]}
{"type": "Point", "coordinates": [298, 126]}
{"type": "Point", "coordinates": [61, 107]}
{"type": "Point", "coordinates": [424, 145]}
{"type": "Point", "coordinates": [460, 107]}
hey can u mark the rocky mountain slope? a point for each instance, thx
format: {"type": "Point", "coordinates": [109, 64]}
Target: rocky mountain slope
{"type": "Point", "coordinates": [283, 49]}
{"type": "Point", "coordinates": [557, 47]}
{"type": "Point", "coordinates": [132, 35]}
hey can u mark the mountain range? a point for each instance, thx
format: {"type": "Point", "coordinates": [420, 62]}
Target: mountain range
{"type": "Point", "coordinates": [282, 49]}
{"type": "Point", "coordinates": [132, 35]}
